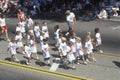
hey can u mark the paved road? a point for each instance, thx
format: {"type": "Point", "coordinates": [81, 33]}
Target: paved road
{"type": "Point", "coordinates": [9, 73]}
{"type": "Point", "coordinates": [103, 69]}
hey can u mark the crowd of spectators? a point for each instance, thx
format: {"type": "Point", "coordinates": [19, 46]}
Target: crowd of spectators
{"type": "Point", "coordinates": [33, 7]}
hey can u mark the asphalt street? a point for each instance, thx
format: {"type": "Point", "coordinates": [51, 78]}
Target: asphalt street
{"type": "Point", "coordinates": [106, 67]}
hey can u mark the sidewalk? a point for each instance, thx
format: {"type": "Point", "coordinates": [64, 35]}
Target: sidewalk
{"type": "Point", "coordinates": [106, 68]}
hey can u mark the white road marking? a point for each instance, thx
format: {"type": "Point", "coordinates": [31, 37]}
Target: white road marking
{"type": "Point", "coordinates": [55, 65]}
{"type": "Point", "coordinates": [114, 28]}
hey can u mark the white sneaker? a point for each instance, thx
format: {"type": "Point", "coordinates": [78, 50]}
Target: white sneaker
{"type": "Point", "coordinates": [23, 52]}
{"type": "Point", "coordinates": [85, 62]}
{"type": "Point", "coordinates": [73, 67]}
{"type": "Point", "coordinates": [101, 51]}
{"type": "Point", "coordinates": [94, 59]}
{"type": "Point", "coordinates": [8, 40]}
{"type": "Point", "coordinates": [17, 60]}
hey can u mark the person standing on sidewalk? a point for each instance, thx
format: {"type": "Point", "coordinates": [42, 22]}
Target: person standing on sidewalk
{"type": "Point", "coordinates": [71, 19]}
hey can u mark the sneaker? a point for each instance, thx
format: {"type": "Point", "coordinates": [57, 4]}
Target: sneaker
{"type": "Point", "coordinates": [17, 60]}
{"type": "Point", "coordinates": [73, 67]}
{"type": "Point", "coordinates": [37, 58]}
{"type": "Point", "coordinates": [23, 52]}
{"type": "Point", "coordinates": [8, 40]}
{"type": "Point", "coordinates": [94, 59]}
{"type": "Point", "coordinates": [27, 63]}
{"type": "Point", "coordinates": [85, 62]}
{"type": "Point", "coordinates": [77, 63]}
{"type": "Point", "coordinates": [101, 51]}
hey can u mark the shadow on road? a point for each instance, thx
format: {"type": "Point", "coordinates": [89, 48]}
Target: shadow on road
{"type": "Point", "coordinates": [117, 63]}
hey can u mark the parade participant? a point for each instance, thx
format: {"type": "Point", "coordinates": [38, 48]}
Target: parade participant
{"type": "Point", "coordinates": [71, 20]}
{"type": "Point", "coordinates": [98, 40]}
{"type": "Point", "coordinates": [29, 21]}
{"type": "Point", "coordinates": [45, 51]}
{"type": "Point", "coordinates": [18, 40]}
{"type": "Point", "coordinates": [33, 47]}
{"type": "Point", "coordinates": [45, 30]}
{"type": "Point", "coordinates": [22, 27]}
{"type": "Point", "coordinates": [80, 51]}
{"type": "Point", "coordinates": [70, 56]}
{"type": "Point", "coordinates": [28, 52]}
{"type": "Point", "coordinates": [21, 15]}
{"type": "Point", "coordinates": [12, 48]}
{"type": "Point", "coordinates": [89, 49]}
{"type": "Point", "coordinates": [3, 27]}
{"type": "Point", "coordinates": [73, 40]}
{"type": "Point", "coordinates": [37, 30]}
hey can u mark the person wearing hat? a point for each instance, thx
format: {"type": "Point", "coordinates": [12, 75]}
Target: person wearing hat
{"type": "Point", "coordinates": [70, 18]}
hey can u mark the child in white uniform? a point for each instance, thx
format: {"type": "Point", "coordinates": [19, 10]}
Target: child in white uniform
{"type": "Point", "coordinates": [28, 52]}
{"type": "Point", "coordinates": [98, 39]}
{"type": "Point", "coordinates": [29, 21]}
{"type": "Point", "coordinates": [45, 30]}
{"type": "Point", "coordinates": [33, 47]}
{"type": "Point", "coordinates": [73, 40]}
{"type": "Point", "coordinates": [37, 30]}
{"type": "Point", "coordinates": [12, 47]}
{"type": "Point", "coordinates": [22, 27]}
{"type": "Point", "coordinates": [80, 51]}
{"type": "Point", "coordinates": [19, 43]}
{"type": "Point", "coordinates": [89, 48]}
{"type": "Point", "coordinates": [70, 55]}
{"type": "Point", "coordinates": [45, 51]}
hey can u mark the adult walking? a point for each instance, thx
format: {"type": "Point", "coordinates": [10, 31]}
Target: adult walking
{"type": "Point", "coordinates": [71, 19]}
{"type": "Point", "coordinates": [3, 27]}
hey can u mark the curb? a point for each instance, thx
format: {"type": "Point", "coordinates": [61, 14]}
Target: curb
{"type": "Point", "coordinates": [58, 74]}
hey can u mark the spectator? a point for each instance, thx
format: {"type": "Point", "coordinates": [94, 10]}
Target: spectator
{"type": "Point", "coordinates": [102, 14]}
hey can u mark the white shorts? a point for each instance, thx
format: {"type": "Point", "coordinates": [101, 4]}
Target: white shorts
{"type": "Point", "coordinates": [79, 53]}
{"type": "Point", "coordinates": [70, 57]}
{"type": "Point", "coordinates": [98, 43]}
{"type": "Point", "coordinates": [19, 44]}
{"type": "Point", "coordinates": [28, 54]}
{"type": "Point", "coordinates": [13, 52]}
{"type": "Point", "coordinates": [33, 49]}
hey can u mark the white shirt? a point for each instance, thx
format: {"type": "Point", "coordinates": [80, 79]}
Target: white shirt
{"type": "Point", "coordinates": [18, 29]}
{"type": "Point", "coordinates": [27, 49]}
{"type": "Point", "coordinates": [18, 38]}
{"type": "Point", "coordinates": [63, 48]}
{"type": "Point", "coordinates": [29, 22]}
{"type": "Point", "coordinates": [37, 30]}
{"type": "Point", "coordinates": [45, 49]}
{"type": "Point", "coordinates": [103, 14]}
{"type": "Point", "coordinates": [98, 37]}
{"type": "Point", "coordinates": [2, 22]}
{"type": "Point", "coordinates": [12, 47]}
{"type": "Point", "coordinates": [79, 45]}
{"type": "Point", "coordinates": [88, 45]}
{"type": "Point", "coordinates": [70, 17]}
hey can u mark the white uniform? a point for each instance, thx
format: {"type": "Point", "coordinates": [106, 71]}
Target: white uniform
{"type": "Point", "coordinates": [31, 32]}
{"type": "Point", "coordinates": [63, 48]}
{"type": "Point", "coordinates": [2, 22]}
{"type": "Point", "coordinates": [12, 48]}
{"type": "Point", "coordinates": [89, 47]}
{"type": "Point", "coordinates": [18, 29]}
{"type": "Point", "coordinates": [45, 31]}
{"type": "Point", "coordinates": [29, 22]}
{"type": "Point", "coordinates": [18, 40]}
{"type": "Point", "coordinates": [79, 52]}
{"type": "Point", "coordinates": [70, 19]}
{"type": "Point", "coordinates": [33, 46]}
{"type": "Point", "coordinates": [45, 49]}
{"type": "Point", "coordinates": [37, 31]}
{"type": "Point", "coordinates": [74, 45]}
{"type": "Point", "coordinates": [57, 33]}
{"type": "Point", "coordinates": [22, 27]}
{"type": "Point", "coordinates": [70, 55]}
{"type": "Point", "coordinates": [41, 41]}
{"type": "Point", "coordinates": [28, 50]}
{"type": "Point", "coordinates": [98, 39]}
